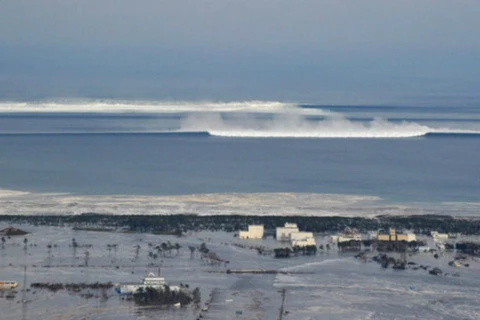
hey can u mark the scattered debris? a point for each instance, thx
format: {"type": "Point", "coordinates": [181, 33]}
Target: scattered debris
{"type": "Point", "coordinates": [11, 231]}
{"type": "Point", "coordinates": [75, 287]}
{"type": "Point", "coordinates": [436, 272]}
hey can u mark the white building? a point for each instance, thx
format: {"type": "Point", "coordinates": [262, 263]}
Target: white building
{"type": "Point", "coordinates": [350, 237]}
{"type": "Point", "coordinates": [424, 249]}
{"type": "Point", "coordinates": [283, 233]}
{"type": "Point", "coordinates": [254, 232]}
{"type": "Point", "coordinates": [304, 242]}
{"type": "Point", "coordinates": [333, 239]}
{"type": "Point", "coordinates": [372, 235]}
{"type": "Point", "coordinates": [300, 235]}
{"type": "Point", "coordinates": [302, 239]}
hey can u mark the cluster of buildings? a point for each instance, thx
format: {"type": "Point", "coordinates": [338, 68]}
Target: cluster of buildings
{"type": "Point", "coordinates": [391, 235]}
{"type": "Point", "coordinates": [289, 232]}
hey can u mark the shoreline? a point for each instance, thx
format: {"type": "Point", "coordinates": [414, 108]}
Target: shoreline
{"type": "Point", "coordinates": [26, 203]}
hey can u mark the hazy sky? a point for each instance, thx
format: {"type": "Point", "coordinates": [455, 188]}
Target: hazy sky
{"type": "Point", "coordinates": [337, 51]}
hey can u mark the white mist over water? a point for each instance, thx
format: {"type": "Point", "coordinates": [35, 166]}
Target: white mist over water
{"type": "Point", "coordinates": [295, 125]}
{"type": "Point", "coordinates": [254, 119]}
{"type": "Point", "coordinates": [113, 106]}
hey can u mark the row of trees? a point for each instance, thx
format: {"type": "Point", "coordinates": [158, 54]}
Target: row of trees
{"type": "Point", "coordinates": [295, 251]}
{"type": "Point", "coordinates": [176, 224]}
{"type": "Point", "coordinates": [470, 248]}
{"type": "Point", "coordinates": [165, 296]}
{"type": "Point", "coordinates": [154, 251]}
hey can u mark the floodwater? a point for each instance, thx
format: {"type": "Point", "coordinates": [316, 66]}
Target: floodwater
{"type": "Point", "coordinates": [330, 285]}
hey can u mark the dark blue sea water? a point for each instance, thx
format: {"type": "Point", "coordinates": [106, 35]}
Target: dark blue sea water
{"type": "Point", "coordinates": [401, 154]}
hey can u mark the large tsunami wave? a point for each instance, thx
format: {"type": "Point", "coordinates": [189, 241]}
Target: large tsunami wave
{"type": "Point", "coordinates": [294, 126]}
{"type": "Point", "coordinates": [246, 119]}
{"type": "Point", "coordinates": [117, 106]}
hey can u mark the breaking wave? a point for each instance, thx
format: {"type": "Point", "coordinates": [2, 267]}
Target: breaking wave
{"type": "Point", "coordinates": [297, 126]}
{"type": "Point", "coordinates": [257, 204]}
{"type": "Point", "coordinates": [113, 106]}
{"type": "Point", "coordinates": [242, 119]}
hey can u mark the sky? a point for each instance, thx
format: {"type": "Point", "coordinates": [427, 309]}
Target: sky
{"type": "Point", "coordinates": [312, 51]}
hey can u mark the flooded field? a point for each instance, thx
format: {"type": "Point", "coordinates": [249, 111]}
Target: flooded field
{"type": "Point", "coordinates": [329, 285]}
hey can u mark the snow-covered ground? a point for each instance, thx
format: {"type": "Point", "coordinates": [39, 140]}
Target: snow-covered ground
{"type": "Point", "coordinates": [330, 285]}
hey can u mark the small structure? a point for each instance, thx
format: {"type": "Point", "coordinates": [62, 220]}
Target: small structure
{"type": "Point", "coordinates": [453, 235]}
{"type": "Point", "coordinates": [392, 235]}
{"type": "Point", "coordinates": [302, 239]}
{"type": "Point", "coordinates": [333, 239]}
{"type": "Point", "coordinates": [455, 263]}
{"type": "Point", "coordinates": [372, 235]}
{"type": "Point", "coordinates": [254, 232]}
{"type": "Point", "coordinates": [424, 249]}
{"type": "Point", "coordinates": [439, 236]}
{"type": "Point", "coordinates": [348, 235]}
{"type": "Point", "coordinates": [150, 281]}
{"type": "Point", "coordinates": [284, 233]}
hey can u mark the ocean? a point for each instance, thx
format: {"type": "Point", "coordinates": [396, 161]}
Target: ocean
{"type": "Point", "coordinates": [422, 157]}
{"type": "Point", "coordinates": [258, 158]}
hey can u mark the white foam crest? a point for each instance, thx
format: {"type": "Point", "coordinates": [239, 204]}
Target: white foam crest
{"type": "Point", "coordinates": [17, 202]}
{"type": "Point", "coordinates": [297, 126]}
{"type": "Point", "coordinates": [109, 106]}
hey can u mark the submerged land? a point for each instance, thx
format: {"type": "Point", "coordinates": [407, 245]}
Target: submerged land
{"type": "Point", "coordinates": [67, 265]}
{"type": "Point", "coordinates": [68, 253]}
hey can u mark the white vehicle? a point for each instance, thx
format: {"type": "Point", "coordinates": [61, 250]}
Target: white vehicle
{"type": "Point", "coordinates": [6, 285]}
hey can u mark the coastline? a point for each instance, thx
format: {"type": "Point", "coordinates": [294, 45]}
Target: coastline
{"type": "Point", "coordinates": [252, 204]}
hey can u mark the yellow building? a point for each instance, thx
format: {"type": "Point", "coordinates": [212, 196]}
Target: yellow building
{"type": "Point", "coordinates": [383, 237]}
{"type": "Point", "coordinates": [406, 237]}
{"type": "Point", "coordinates": [392, 235]}
{"type": "Point", "coordinates": [254, 232]}
{"type": "Point", "coordinates": [439, 236]}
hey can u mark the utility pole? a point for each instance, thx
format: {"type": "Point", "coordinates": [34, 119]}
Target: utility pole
{"type": "Point", "coordinates": [284, 293]}
{"type": "Point", "coordinates": [24, 301]}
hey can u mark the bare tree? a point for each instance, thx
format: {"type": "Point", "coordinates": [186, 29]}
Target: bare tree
{"type": "Point", "coordinates": [74, 247]}
{"type": "Point", "coordinates": [109, 249]}
{"type": "Point", "coordinates": [159, 250]}
{"type": "Point", "coordinates": [137, 252]}
{"type": "Point", "coordinates": [87, 257]}
{"type": "Point", "coordinates": [192, 251]}
{"type": "Point", "coordinates": [49, 250]}
{"type": "Point", "coordinates": [177, 247]}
